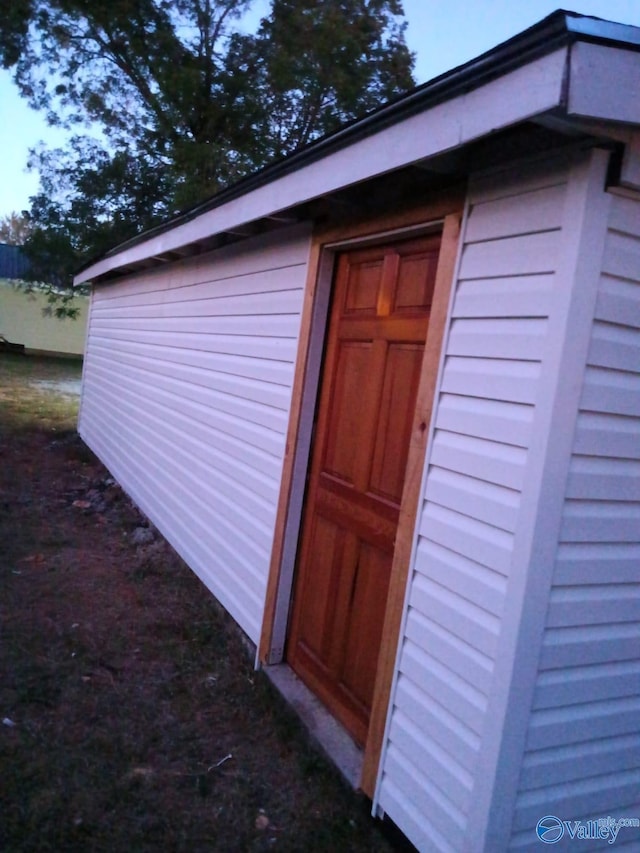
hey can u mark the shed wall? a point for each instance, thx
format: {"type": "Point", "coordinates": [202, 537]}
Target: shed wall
{"type": "Point", "coordinates": [187, 387]}
{"type": "Point", "coordinates": [582, 754]}
{"type": "Point", "coordinates": [483, 469]}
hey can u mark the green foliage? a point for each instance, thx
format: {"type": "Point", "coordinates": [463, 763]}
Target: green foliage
{"type": "Point", "coordinates": [60, 303]}
{"type": "Point", "coordinates": [182, 101]}
{"type": "Point", "coordinates": [319, 65]}
{"type": "Point", "coordinates": [89, 199]}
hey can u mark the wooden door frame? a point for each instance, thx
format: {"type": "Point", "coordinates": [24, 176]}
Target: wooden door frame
{"type": "Point", "coordinates": [442, 215]}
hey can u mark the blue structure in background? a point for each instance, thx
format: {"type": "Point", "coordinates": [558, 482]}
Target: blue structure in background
{"type": "Point", "coordinates": [13, 262]}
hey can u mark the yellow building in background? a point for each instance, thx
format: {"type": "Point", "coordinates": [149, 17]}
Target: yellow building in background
{"type": "Point", "coordinates": [24, 320]}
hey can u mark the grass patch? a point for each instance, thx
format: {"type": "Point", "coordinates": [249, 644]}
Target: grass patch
{"type": "Point", "coordinates": [28, 395]}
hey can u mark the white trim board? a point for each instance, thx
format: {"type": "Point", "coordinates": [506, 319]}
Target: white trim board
{"type": "Point", "coordinates": [585, 217]}
{"type": "Point", "coordinates": [604, 83]}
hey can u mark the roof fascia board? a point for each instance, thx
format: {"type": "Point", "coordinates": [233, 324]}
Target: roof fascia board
{"type": "Point", "coordinates": [519, 95]}
{"type": "Point", "coordinates": [601, 30]}
{"type": "Point", "coordinates": [604, 83]}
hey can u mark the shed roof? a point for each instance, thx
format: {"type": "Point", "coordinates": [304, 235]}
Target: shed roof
{"type": "Point", "coordinates": [558, 79]}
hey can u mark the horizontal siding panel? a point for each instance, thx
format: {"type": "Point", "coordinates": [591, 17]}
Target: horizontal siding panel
{"type": "Point", "coordinates": [527, 255]}
{"type": "Point", "coordinates": [464, 577]}
{"type": "Point", "coordinates": [614, 346]}
{"type": "Point", "coordinates": [497, 338]}
{"type": "Point", "coordinates": [221, 494]}
{"type": "Point", "coordinates": [521, 296]}
{"type": "Point", "coordinates": [259, 391]}
{"type": "Point", "coordinates": [561, 726]}
{"type": "Point", "coordinates": [597, 562]}
{"type": "Point", "coordinates": [483, 501]}
{"type": "Point", "coordinates": [622, 256]}
{"type": "Point", "coordinates": [222, 535]}
{"type": "Point", "coordinates": [242, 366]}
{"type": "Point", "coordinates": [171, 391]}
{"type": "Point", "coordinates": [411, 820]}
{"type": "Point", "coordinates": [491, 378]}
{"type": "Point", "coordinates": [460, 617]}
{"type": "Point", "coordinates": [286, 251]}
{"type": "Point", "coordinates": [265, 291]}
{"type": "Point", "coordinates": [457, 696]}
{"type": "Point", "coordinates": [593, 605]}
{"type": "Point", "coordinates": [612, 391]}
{"type": "Point", "coordinates": [607, 436]}
{"type": "Point", "coordinates": [226, 448]}
{"type": "Point", "coordinates": [578, 761]}
{"type": "Point", "coordinates": [556, 688]}
{"type": "Point", "coordinates": [619, 302]}
{"type": "Point", "coordinates": [437, 724]}
{"type": "Point", "coordinates": [484, 460]}
{"type": "Point", "coordinates": [454, 781]}
{"type": "Point", "coordinates": [484, 427]}
{"type": "Point", "coordinates": [282, 326]}
{"type": "Point", "coordinates": [514, 181]}
{"type": "Point", "coordinates": [600, 521]}
{"type": "Point", "coordinates": [585, 799]}
{"type": "Point", "coordinates": [585, 645]}
{"type": "Point", "coordinates": [263, 347]}
{"type": "Point", "coordinates": [188, 376]}
{"type": "Point", "coordinates": [252, 434]}
{"type": "Point", "coordinates": [509, 423]}
{"type": "Point", "coordinates": [537, 210]}
{"type": "Point", "coordinates": [179, 390]}
{"type": "Point", "coordinates": [463, 659]}
{"type": "Point", "coordinates": [210, 556]}
{"type": "Point", "coordinates": [445, 816]}
{"type": "Point", "coordinates": [623, 216]}
{"type": "Point", "coordinates": [473, 539]}
{"type": "Point", "coordinates": [604, 479]}
{"type": "Point", "coordinates": [257, 497]}
{"type": "Point", "coordinates": [267, 306]}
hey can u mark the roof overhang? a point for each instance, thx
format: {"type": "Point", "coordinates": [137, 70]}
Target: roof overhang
{"type": "Point", "coordinates": [574, 89]}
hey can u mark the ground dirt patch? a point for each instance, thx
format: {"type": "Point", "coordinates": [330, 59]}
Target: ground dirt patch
{"type": "Point", "coordinates": [131, 717]}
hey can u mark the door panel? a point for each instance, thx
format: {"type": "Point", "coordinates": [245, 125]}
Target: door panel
{"type": "Point", "coordinates": [375, 342]}
{"type": "Point", "coordinates": [367, 615]}
{"type": "Point", "coordinates": [391, 448]}
{"type": "Point", "coordinates": [353, 365]}
{"type": "Point", "coordinates": [325, 556]}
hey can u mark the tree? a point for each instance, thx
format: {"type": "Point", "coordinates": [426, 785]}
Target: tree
{"type": "Point", "coordinates": [15, 229]}
{"type": "Point", "coordinates": [314, 66]}
{"type": "Point", "coordinates": [185, 102]}
{"type": "Point", "coordinates": [87, 201]}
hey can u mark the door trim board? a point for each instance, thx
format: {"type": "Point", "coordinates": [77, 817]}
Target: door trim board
{"type": "Point", "coordinates": [445, 213]}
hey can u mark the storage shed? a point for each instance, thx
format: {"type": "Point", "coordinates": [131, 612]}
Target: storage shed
{"type": "Point", "coordinates": [384, 398]}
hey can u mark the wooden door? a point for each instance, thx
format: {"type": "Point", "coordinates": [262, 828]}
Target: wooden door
{"type": "Point", "coordinates": [377, 329]}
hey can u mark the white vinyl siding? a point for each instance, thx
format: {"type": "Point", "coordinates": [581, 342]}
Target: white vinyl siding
{"type": "Point", "coordinates": [482, 558]}
{"type": "Point", "coordinates": [477, 469]}
{"type": "Point", "coordinates": [187, 386]}
{"type": "Point", "coordinates": [582, 758]}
